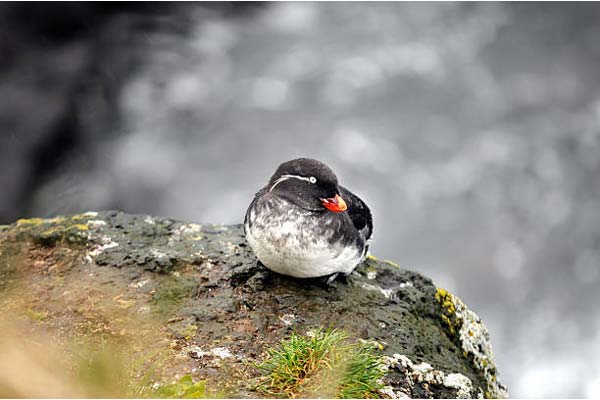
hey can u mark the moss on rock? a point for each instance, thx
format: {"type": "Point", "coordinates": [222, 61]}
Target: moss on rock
{"type": "Point", "coordinates": [468, 331]}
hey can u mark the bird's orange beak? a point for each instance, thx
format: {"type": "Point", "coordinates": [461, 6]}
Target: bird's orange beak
{"type": "Point", "coordinates": [335, 204]}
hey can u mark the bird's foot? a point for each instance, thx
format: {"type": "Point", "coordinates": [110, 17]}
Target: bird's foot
{"type": "Point", "coordinates": [329, 281]}
{"type": "Point", "coordinates": [331, 278]}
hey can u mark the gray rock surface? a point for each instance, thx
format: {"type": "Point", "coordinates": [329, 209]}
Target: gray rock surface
{"type": "Point", "coordinates": [218, 310]}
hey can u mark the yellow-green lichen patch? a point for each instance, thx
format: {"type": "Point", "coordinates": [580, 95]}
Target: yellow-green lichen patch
{"type": "Point", "coordinates": [393, 264]}
{"type": "Point", "coordinates": [75, 234]}
{"type": "Point", "coordinates": [30, 221]}
{"type": "Point", "coordinates": [85, 216]}
{"type": "Point", "coordinates": [448, 316]}
{"type": "Point", "coordinates": [465, 327]}
{"type": "Point", "coordinates": [82, 227]}
{"type": "Point", "coordinates": [371, 257]}
{"type": "Point", "coordinates": [53, 230]}
{"type": "Point", "coordinates": [39, 221]}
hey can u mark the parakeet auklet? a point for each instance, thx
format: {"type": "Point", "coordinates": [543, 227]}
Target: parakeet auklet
{"type": "Point", "coordinates": [304, 224]}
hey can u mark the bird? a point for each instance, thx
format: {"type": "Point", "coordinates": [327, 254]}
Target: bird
{"type": "Point", "coordinates": [305, 225]}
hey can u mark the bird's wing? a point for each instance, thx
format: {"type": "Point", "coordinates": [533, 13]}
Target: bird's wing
{"type": "Point", "coordinates": [258, 195]}
{"type": "Point", "coordinates": [359, 213]}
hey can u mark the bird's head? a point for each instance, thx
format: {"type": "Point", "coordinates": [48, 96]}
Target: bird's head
{"type": "Point", "coordinates": [309, 184]}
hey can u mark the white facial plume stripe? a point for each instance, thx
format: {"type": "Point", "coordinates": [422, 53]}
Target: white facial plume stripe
{"type": "Point", "coordinates": [286, 177]}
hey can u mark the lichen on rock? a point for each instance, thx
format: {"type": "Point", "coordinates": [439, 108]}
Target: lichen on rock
{"type": "Point", "coordinates": [194, 292]}
{"type": "Point", "coordinates": [423, 381]}
{"type": "Point", "coordinates": [469, 331]}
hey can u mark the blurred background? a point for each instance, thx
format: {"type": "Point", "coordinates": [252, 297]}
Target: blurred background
{"type": "Point", "coordinates": [472, 130]}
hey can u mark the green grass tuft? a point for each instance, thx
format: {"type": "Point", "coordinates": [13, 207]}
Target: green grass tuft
{"type": "Point", "coordinates": [364, 371]}
{"type": "Point", "coordinates": [322, 364]}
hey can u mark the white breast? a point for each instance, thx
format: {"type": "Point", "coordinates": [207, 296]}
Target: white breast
{"type": "Point", "coordinates": [284, 243]}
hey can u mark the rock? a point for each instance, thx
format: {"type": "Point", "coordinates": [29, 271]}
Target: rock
{"type": "Point", "coordinates": [194, 294]}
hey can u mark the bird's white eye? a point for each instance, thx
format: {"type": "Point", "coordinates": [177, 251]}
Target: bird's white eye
{"type": "Point", "coordinates": [312, 179]}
